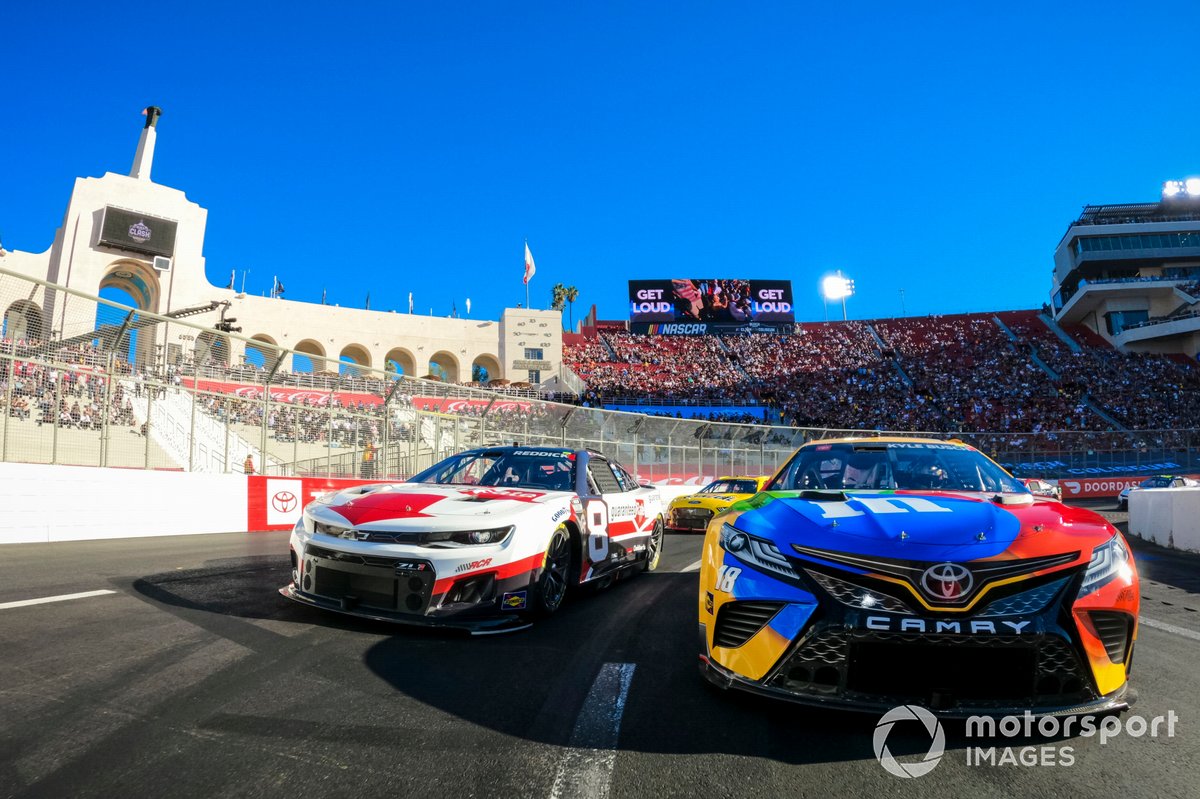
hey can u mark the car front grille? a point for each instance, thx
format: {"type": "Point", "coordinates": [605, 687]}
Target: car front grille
{"type": "Point", "coordinates": [940, 670]}
{"type": "Point", "coordinates": [400, 585]}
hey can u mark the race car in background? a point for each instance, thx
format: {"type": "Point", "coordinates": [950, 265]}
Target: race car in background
{"type": "Point", "coordinates": [1158, 481]}
{"type": "Point", "coordinates": [487, 539]}
{"type": "Point", "coordinates": [884, 571]}
{"type": "Point", "coordinates": [694, 511]}
{"type": "Point", "coordinates": [1043, 488]}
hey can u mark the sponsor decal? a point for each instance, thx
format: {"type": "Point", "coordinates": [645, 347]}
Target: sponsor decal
{"type": "Point", "coordinates": [947, 581]}
{"type": "Point", "coordinates": [675, 329]}
{"type": "Point", "coordinates": [726, 577]}
{"type": "Point", "coordinates": [139, 231]}
{"type": "Point", "coordinates": [879, 505]}
{"type": "Point", "coordinates": [708, 602]}
{"type": "Point", "coordinates": [475, 564]}
{"type": "Point", "coordinates": [559, 514]}
{"type": "Point", "coordinates": [284, 501]}
{"type": "Point", "coordinates": [409, 566]}
{"type": "Point", "coordinates": [909, 624]}
{"type": "Point", "coordinates": [502, 493]}
{"type": "Point", "coordinates": [639, 516]}
{"type": "Point", "coordinates": [513, 600]}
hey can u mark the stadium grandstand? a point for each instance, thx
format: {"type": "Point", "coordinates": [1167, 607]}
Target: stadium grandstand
{"type": "Point", "coordinates": [722, 380]}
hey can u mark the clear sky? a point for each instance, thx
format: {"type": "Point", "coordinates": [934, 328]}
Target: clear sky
{"type": "Point", "coordinates": [939, 148]}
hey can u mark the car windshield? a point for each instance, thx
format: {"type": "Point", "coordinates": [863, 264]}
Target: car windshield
{"type": "Point", "coordinates": [1155, 482]}
{"type": "Point", "coordinates": [541, 469]}
{"type": "Point", "coordinates": [730, 487]}
{"type": "Point", "coordinates": [894, 465]}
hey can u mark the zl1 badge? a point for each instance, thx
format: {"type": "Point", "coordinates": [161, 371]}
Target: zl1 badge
{"type": "Point", "coordinates": [514, 600]}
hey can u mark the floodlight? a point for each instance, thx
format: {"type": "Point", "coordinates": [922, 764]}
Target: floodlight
{"type": "Point", "coordinates": [1172, 188]}
{"type": "Point", "coordinates": [836, 287]}
{"type": "Point", "coordinates": [1193, 186]}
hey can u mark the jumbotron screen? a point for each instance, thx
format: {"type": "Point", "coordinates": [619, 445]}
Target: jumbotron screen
{"type": "Point", "coordinates": [719, 302]}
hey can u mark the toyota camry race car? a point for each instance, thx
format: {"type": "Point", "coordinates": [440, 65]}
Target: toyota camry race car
{"type": "Point", "coordinates": [877, 572]}
{"type": "Point", "coordinates": [486, 539]}
{"type": "Point", "coordinates": [694, 511]}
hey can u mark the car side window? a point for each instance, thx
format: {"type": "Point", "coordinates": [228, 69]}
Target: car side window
{"type": "Point", "coordinates": [603, 477]}
{"type": "Point", "coordinates": [624, 478]}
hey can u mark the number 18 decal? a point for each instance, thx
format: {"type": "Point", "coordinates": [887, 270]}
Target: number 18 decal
{"type": "Point", "coordinates": [597, 527]}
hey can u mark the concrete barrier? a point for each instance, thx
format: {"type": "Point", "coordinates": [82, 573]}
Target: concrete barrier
{"type": "Point", "coordinates": [1169, 517]}
{"type": "Point", "coordinates": [44, 503]}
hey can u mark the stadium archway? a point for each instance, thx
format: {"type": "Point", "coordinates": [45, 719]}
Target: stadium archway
{"type": "Point", "coordinates": [353, 359]}
{"type": "Point", "coordinates": [262, 351]}
{"type": "Point", "coordinates": [444, 365]}
{"type": "Point", "coordinates": [23, 320]}
{"type": "Point", "coordinates": [309, 357]}
{"type": "Point", "coordinates": [485, 368]}
{"type": "Point", "coordinates": [400, 361]}
{"type": "Point", "coordinates": [212, 348]}
{"type": "Point", "coordinates": [132, 283]}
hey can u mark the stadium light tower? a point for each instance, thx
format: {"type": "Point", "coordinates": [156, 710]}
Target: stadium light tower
{"type": "Point", "coordinates": [837, 287]}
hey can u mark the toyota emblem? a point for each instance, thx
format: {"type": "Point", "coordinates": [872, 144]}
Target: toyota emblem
{"type": "Point", "coordinates": [947, 581]}
{"type": "Point", "coordinates": [284, 501]}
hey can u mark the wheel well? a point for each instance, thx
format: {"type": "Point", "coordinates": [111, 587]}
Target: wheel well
{"type": "Point", "coordinates": [576, 549]}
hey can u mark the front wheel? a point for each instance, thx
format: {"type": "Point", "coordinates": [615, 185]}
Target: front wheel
{"type": "Point", "coordinates": [547, 594]}
{"type": "Point", "coordinates": [654, 548]}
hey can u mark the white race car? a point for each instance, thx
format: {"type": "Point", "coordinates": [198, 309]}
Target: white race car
{"type": "Point", "coordinates": [486, 539]}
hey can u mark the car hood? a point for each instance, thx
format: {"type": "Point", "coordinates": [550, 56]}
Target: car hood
{"type": "Point", "coordinates": [420, 505]}
{"type": "Point", "coordinates": [708, 500]}
{"type": "Point", "coordinates": [924, 526]}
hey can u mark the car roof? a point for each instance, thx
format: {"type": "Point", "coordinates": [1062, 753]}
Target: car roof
{"type": "Point", "coordinates": [885, 440]}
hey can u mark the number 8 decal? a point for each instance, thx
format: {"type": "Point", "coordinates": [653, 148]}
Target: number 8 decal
{"type": "Point", "coordinates": [597, 527]}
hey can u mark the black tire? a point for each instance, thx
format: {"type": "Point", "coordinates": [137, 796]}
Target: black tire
{"type": "Point", "coordinates": [547, 594]}
{"type": "Point", "coordinates": [654, 548]}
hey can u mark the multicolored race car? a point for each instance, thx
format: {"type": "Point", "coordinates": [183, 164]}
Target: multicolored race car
{"type": "Point", "coordinates": [882, 571]}
{"type": "Point", "coordinates": [695, 511]}
{"type": "Point", "coordinates": [486, 540]}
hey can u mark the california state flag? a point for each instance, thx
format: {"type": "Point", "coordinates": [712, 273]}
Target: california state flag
{"type": "Point", "coordinates": [529, 267]}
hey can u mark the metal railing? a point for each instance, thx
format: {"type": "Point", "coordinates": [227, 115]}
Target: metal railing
{"type": "Point", "coordinates": [135, 395]}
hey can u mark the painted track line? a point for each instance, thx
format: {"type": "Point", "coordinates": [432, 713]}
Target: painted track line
{"type": "Point", "coordinates": [692, 567]}
{"type": "Point", "coordinates": [1169, 628]}
{"type": "Point", "coordinates": [585, 769]}
{"type": "Point", "coordinates": [47, 599]}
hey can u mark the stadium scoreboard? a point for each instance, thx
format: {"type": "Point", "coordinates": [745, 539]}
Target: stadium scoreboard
{"type": "Point", "coordinates": [700, 307]}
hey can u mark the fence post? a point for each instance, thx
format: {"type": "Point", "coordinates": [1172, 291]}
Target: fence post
{"type": "Point", "coordinates": [56, 414]}
{"type": "Point", "coordinates": [12, 360]}
{"type": "Point", "coordinates": [151, 389]}
{"type": "Point", "coordinates": [228, 468]}
{"type": "Point", "coordinates": [192, 429]}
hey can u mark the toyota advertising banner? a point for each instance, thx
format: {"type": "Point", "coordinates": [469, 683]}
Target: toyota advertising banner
{"type": "Point", "coordinates": [711, 305]}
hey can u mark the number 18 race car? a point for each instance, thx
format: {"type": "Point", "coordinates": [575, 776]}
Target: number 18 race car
{"type": "Point", "coordinates": [485, 540]}
{"type": "Point", "coordinates": [877, 572]}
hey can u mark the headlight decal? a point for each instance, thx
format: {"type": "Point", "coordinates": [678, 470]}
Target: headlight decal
{"type": "Point", "coordinates": [1110, 561]}
{"type": "Point", "coordinates": [756, 552]}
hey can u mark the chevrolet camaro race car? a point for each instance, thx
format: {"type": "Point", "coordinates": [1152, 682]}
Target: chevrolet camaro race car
{"type": "Point", "coordinates": [485, 540]}
{"type": "Point", "coordinates": [877, 572]}
{"type": "Point", "coordinates": [694, 511]}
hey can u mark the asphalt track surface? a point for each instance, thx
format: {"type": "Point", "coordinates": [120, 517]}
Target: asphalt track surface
{"type": "Point", "coordinates": [195, 678]}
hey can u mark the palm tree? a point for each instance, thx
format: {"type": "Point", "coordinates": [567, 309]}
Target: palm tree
{"type": "Point", "coordinates": [558, 297]}
{"type": "Point", "coordinates": [570, 294]}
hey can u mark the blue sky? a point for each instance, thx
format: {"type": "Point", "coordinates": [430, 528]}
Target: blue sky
{"type": "Point", "coordinates": [938, 148]}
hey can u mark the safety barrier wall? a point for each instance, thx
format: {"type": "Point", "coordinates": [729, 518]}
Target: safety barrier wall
{"type": "Point", "coordinates": [45, 503]}
{"type": "Point", "coordinates": [1169, 517]}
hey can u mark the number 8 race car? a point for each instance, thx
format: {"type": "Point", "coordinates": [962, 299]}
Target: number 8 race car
{"type": "Point", "coordinates": [484, 540]}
